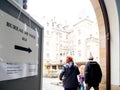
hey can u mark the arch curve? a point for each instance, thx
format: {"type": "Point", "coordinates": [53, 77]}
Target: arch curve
{"type": "Point", "coordinates": [104, 33]}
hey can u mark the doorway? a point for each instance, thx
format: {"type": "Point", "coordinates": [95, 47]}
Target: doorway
{"type": "Point", "coordinates": [104, 43]}
{"type": "Point", "coordinates": [103, 25]}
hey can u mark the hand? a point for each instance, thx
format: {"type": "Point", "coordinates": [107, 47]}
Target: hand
{"type": "Point", "coordinates": [62, 79]}
{"type": "Point", "coordinates": [86, 84]}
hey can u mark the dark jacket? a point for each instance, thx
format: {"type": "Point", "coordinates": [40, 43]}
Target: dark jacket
{"type": "Point", "coordinates": [69, 73]}
{"type": "Point", "coordinates": [93, 73]}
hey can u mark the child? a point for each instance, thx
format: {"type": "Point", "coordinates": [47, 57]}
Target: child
{"type": "Point", "coordinates": [81, 77]}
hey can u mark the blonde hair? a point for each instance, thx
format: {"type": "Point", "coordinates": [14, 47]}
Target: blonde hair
{"type": "Point", "coordinates": [82, 68]}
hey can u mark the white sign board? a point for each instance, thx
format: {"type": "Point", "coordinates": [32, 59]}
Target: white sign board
{"type": "Point", "coordinates": [18, 48]}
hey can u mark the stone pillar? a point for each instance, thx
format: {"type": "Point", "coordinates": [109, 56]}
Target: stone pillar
{"type": "Point", "coordinates": [102, 40]}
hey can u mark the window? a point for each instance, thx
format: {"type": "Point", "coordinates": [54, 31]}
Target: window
{"type": "Point", "coordinates": [47, 43]}
{"type": "Point", "coordinates": [66, 36]}
{"type": "Point", "coordinates": [48, 32]}
{"type": "Point", "coordinates": [79, 31]}
{"type": "Point", "coordinates": [60, 35]}
{"type": "Point", "coordinates": [79, 42]}
{"type": "Point", "coordinates": [47, 55]}
{"type": "Point", "coordinates": [53, 67]}
{"type": "Point", "coordinates": [47, 23]}
{"type": "Point", "coordinates": [79, 53]}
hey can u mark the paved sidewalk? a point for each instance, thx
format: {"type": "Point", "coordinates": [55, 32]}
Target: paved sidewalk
{"type": "Point", "coordinates": [55, 82]}
{"type": "Point", "coordinates": [51, 84]}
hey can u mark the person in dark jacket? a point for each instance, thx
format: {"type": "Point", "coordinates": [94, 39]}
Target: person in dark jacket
{"type": "Point", "coordinates": [69, 74]}
{"type": "Point", "coordinates": [93, 74]}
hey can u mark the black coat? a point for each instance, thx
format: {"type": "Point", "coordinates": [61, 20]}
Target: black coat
{"type": "Point", "coordinates": [93, 73]}
{"type": "Point", "coordinates": [69, 73]}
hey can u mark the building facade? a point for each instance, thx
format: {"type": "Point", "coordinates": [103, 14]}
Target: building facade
{"type": "Point", "coordinates": [62, 40]}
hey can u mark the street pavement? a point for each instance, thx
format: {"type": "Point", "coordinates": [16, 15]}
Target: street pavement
{"type": "Point", "coordinates": [55, 84]}
{"type": "Point", "coordinates": [52, 84]}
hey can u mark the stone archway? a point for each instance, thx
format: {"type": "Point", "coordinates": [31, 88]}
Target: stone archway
{"type": "Point", "coordinates": [103, 24]}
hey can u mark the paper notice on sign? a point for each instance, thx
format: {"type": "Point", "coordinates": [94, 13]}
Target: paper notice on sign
{"type": "Point", "coordinates": [10, 71]}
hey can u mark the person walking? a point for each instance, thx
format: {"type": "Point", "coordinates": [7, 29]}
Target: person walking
{"type": "Point", "coordinates": [69, 74]}
{"type": "Point", "coordinates": [93, 74]}
{"type": "Point", "coordinates": [81, 77]}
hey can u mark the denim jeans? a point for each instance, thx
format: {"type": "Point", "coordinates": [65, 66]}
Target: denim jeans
{"type": "Point", "coordinates": [82, 86]}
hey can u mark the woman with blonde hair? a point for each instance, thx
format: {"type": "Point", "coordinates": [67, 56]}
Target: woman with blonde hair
{"type": "Point", "coordinates": [69, 74]}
